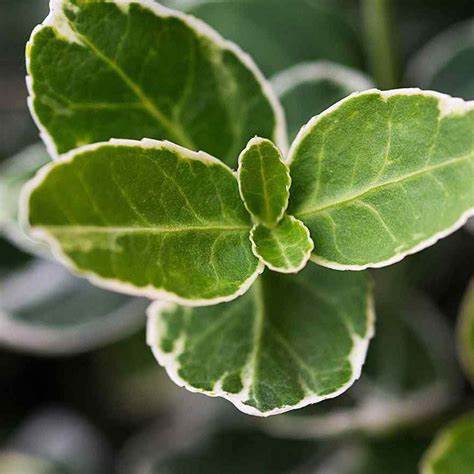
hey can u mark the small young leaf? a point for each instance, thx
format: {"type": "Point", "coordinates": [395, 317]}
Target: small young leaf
{"type": "Point", "coordinates": [147, 218]}
{"type": "Point", "coordinates": [264, 181]}
{"type": "Point", "coordinates": [308, 89]}
{"type": "Point", "coordinates": [466, 333]}
{"type": "Point", "coordinates": [381, 175]}
{"type": "Point", "coordinates": [102, 69]}
{"type": "Point", "coordinates": [292, 340]}
{"type": "Point", "coordinates": [452, 451]}
{"type": "Point", "coordinates": [45, 310]}
{"type": "Point", "coordinates": [285, 248]}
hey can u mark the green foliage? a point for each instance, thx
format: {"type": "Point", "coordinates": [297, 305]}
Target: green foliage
{"type": "Point", "coordinates": [375, 177]}
{"type": "Point", "coordinates": [451, 452]}
{"type": "Point", "coordinates": [382, 175]}
{"type": "Point", "coordinates": [100, 70]}
{"type": "Point", "coordinates": [284, 248]}
{"type": "Point", "coordinates": [168, 223]}
{"type": "Point", "coordinates": [264, 181]}
{"type": "Point", "coordinates": [259, 352]}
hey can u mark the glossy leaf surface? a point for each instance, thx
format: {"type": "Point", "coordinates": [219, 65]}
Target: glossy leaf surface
{"type": "Point", "coordinates": [381, 175]}
{"type": "Point", "coordinates": [133, 69]}
{"type": "Point", "coordinates": [147, 218]}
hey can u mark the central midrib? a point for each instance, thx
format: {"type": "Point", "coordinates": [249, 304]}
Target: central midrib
{"type": "Point", "coordinates": [88, 229]}
{"type": "Point", "coordinates": [415, 174]}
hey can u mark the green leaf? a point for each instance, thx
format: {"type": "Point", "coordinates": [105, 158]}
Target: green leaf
{"type": "Point", "coordinates": [381, 175]}
{"type": "Point", "coordinates": [465, 333]}
{"type": "Point", "coordinates": [147, 218]}
{"type": "Point", "coordinates": [289, 342]}
{"type": "Point", "coordinates": [264, 181]}
{"type": "Point", "coordinates": [451, 452]}
{"type": "Point", "coordinates": [14, 173]}
{"type": "Point", "coordinates": [410, 375]}
{"type": "Point", "coordinates": [320, 29]}
{"type": "Point", "coordinates": [45, 310]}
{"type": "Point", "coordinates": [285, 248]}
{"type": "Point", "coordinates": [446, 62]}
{"type": "Point", "coordinates": [308, 89]}
{"type": "Point", "coordinates": [105, 69]}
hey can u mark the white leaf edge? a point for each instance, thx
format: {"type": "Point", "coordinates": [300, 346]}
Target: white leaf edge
{"type": "Point", "coordinates": [427, 62]}
{"type": "Point", "coordinates": [448, 106]}
{"type": "Point", "coordinates": [56, 20]}
{"type": "Point", "coordinates": [293, 269]}
{"type": "Point", "coordinates": [45, 340]}
{"type": "Point", "coordinates": [257, 141]}
{"type": "Point", "coordinates": [169, 362]}
{"type": "Point", "coordinates": [112, 284]}
{"type": "Point", "coordinates": [377, 411]}
{"type": "Point", "coordinates": [316, 71]}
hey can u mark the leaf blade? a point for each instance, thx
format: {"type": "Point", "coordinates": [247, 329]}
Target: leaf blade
{"type": "Point", "coordinates": [285, 248]}
{"type": "Point", "coordinates": [155, 73]}
{"type": "Point", "coordinates": [264, 181]}
{"type": "Point", "coordinates": [407, 149]}
{"type": "Point", "coordinates": [270, 360]}
{"type": "Point", "coordinates": [146, 218]}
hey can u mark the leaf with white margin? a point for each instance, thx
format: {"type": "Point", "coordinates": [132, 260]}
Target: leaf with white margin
{"type": "Point", "coordinates": [465, 332]}
{"type": "Point", "coordinates": [446, 62]}
{"type": "Point", "coordinates": [381, 175]}
{"type": "Point", "coordinates": [409, 376]}
{"type": "Point", "coordinates": [309, 88]}
{"type": "Point", "coordinates": [285, 248]}
{"type": "Point", "coordinates": [451, 452]}
{"type": "Point", "coordinates": [264, 181]}
{"type": "Point", "coordinates": [14, 173]}
{"type": "Point", "coordinates": [291, 341]}
{"type": "Point", "coordinates": [45, 310]}
{"type": "Point", "coordinates": [102, 69]}
{"type": "Point", "coordinates": [146, 218]}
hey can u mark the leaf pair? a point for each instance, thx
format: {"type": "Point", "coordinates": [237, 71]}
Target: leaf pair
{"type": "Point", "coordinates": [282, 242]}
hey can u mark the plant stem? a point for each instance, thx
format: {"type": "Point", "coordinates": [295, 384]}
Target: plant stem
{"type": "Point", "coordinates": [379, 36]}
